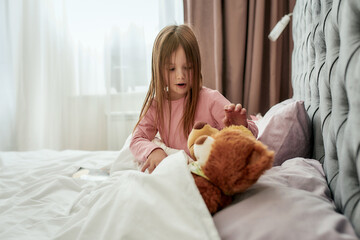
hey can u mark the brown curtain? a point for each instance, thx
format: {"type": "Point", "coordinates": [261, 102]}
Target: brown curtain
{"type": "Point", "coordinates": [238, 59]}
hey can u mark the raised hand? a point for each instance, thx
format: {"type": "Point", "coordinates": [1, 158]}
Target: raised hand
{"type": "Point", "coordinates": [235, 115]}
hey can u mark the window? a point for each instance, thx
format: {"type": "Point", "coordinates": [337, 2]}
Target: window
{"type": "Point", "coordinates": [75, 71]}
{"type": "Point", "coordinates": [113, 41]}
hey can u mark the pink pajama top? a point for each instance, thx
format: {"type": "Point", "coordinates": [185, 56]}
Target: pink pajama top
{"type": "Point", "coordinates": [210, 109]}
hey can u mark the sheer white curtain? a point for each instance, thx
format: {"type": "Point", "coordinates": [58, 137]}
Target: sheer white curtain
{"type": "Point", "coordinates": [73, 73]}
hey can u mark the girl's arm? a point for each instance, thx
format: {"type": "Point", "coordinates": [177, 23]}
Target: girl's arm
{"type": "Point", "coordinates": [141, 144]}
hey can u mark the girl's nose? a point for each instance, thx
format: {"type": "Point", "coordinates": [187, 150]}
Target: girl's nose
{"type": "Point", "coordinates": [180, 74]}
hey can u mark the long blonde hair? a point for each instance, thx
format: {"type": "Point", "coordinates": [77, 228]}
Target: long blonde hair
{"type": "Point", "coordinates": [166, 42]}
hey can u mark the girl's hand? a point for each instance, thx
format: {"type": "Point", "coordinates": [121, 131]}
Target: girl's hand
{"type": "Point", "coordinates": [153, 160]}
{"type": "Point", "coordinates": [235, 115]}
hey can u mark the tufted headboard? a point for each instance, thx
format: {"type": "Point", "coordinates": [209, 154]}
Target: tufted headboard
{"type": "Point", "coordinates": [326, 75]}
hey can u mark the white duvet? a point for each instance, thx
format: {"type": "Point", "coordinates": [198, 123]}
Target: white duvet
{"type": "Point", "coordinates": [40, 200]}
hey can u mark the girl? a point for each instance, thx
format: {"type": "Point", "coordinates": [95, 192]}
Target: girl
{"type": "Point", "coordinates": [176, 99]}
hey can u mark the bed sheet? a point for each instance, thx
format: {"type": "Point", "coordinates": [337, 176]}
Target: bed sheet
{"type": "Point", "coordinates": [40, 200]}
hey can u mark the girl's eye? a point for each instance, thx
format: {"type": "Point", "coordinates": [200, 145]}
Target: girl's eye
{"type": "Point", "coordinates": [171, 69]}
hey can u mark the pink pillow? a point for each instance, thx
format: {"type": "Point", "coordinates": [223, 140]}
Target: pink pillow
{"type": "Point", "coordinates": [286, 129]}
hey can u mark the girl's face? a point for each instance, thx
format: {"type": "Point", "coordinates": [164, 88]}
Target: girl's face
{"type": "Point", "coordinates": [180, 74]}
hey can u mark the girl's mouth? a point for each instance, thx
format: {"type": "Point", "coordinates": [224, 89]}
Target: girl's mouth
{"type": "Point", "coordinates": [181, 85]}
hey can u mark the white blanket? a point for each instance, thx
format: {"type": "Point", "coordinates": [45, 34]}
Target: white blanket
{"type": "Point", "coordinates": [40, 200]}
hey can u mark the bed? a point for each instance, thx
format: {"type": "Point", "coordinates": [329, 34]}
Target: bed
{"type": "Point", "coordinates": [311, 192]}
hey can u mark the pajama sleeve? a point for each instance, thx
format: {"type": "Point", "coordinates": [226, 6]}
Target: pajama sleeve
{"type": "Point", "coordinates": [141, 144]}
{"type": "Point", "coordinates": [253, 128]}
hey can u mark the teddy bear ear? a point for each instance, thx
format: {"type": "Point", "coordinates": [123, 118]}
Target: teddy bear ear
{"type": "Point", "coordinates": [200, 128]}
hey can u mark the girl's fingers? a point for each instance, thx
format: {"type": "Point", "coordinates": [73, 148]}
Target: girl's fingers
{"type": "Point", "coordinates": [230, 107]}
{"type": "Point", "coordinates": [238, 107]}
{"type": "Point", "coordinates": [145, 166]}
{"type": "Point", "coordinates": [152, 168]}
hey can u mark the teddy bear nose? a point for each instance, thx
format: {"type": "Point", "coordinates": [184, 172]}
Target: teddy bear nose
{"type": "Point", "coordinates": [200, 140]}
{"type": "Point", "coordinates": [199, 125]}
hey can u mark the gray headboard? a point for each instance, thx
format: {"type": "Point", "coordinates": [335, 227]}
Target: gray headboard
{"type": "Point", "coordinates": [326, 75]}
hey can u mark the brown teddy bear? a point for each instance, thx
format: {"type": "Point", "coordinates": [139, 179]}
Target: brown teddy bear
{"type": "Point", "coordinates": [226, 162]}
